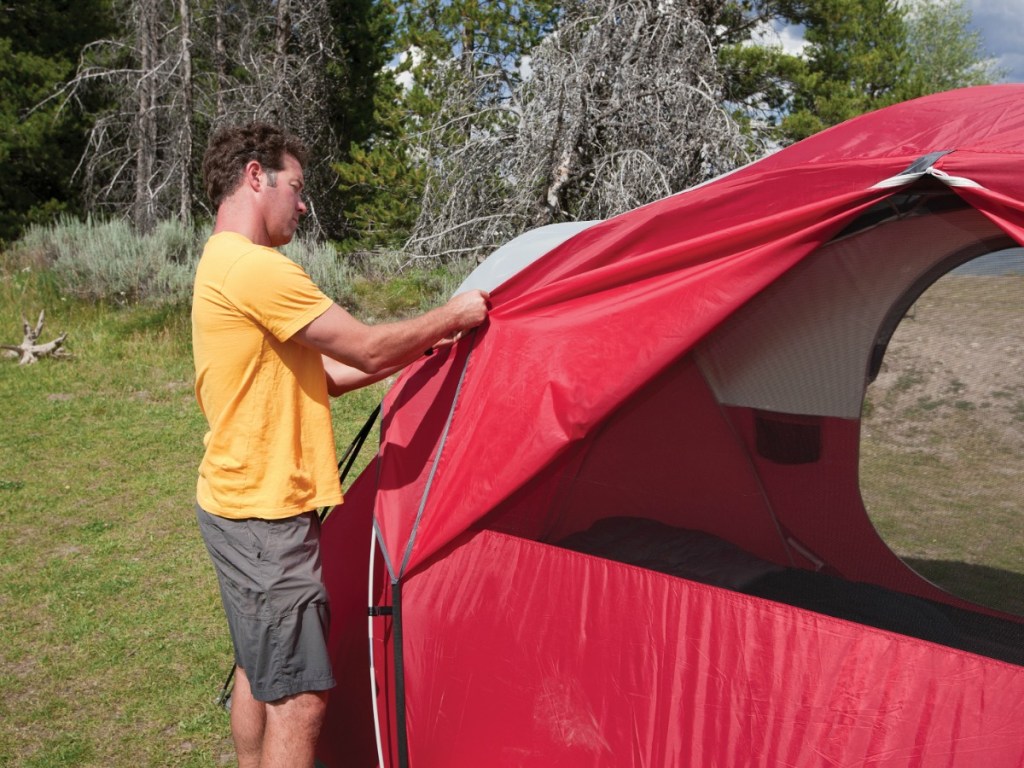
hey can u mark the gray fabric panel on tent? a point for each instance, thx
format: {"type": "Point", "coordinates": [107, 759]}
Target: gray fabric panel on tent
{"type": "Point", "coordinates": [818, 324]}
{"type": "Point", "coordinates": [519, 253]}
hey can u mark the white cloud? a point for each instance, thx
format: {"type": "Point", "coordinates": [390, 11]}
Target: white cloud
{"type": "Point", "coordinates": [792, 39]}
{"type": "Point", "coordinates": [407, 78]}
{"type": "Point", "coordinates": [789, 38]}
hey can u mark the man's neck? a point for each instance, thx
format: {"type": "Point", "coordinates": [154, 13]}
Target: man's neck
{"type": "Point", "coordinates": [233, 218]}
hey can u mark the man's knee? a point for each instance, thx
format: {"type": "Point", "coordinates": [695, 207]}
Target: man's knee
{"type": "Point", "coordinates": [307, 708]}
{"type": "Point", "coordinates": [293, 725]}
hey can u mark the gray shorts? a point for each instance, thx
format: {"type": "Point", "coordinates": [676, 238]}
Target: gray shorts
{"type": "Point", "coordinates": [275, 600]}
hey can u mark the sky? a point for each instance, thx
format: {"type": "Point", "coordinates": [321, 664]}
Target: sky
{"type": "Point", "coordinates": [1001, 24]}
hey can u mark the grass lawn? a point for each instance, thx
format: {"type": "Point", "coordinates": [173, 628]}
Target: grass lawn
{"type": "Point", "coordinates": [113, 646]}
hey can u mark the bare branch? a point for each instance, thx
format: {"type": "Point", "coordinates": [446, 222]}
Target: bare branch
{"type": "Point", "coordinates": [623, 107]}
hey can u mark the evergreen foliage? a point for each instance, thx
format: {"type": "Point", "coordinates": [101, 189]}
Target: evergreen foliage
{"type": "Point", "coordinates": [943, 51]}
{"type": "Point", "coordinates": [40, 143]}
{"type": "Point", "coordinates": [859, 55]}
{"type": "Point", "coordinates": [856, 60]}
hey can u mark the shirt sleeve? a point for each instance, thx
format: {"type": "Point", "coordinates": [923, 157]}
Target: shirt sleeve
{"type": "Point", "coordinates": [275, 292]}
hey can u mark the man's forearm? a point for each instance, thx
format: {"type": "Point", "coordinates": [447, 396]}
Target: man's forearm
{"type": "Point", "coordinates": [374, 349]}
{"type": "Point", "coordinates": [343, 378]}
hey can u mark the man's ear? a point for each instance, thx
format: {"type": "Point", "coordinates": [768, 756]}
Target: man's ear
{"type": "Point", "coordinates": [252, 173]}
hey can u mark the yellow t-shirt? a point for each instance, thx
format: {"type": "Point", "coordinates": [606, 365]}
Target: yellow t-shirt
{"type": "Point", "coordinates": [270, 447]}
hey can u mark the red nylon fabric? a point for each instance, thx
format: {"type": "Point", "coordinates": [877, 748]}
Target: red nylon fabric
{"type": "Point", "coordinates": [677, 674]}
{"type": "Point", "coordinates": [348, 737]}
{"type": "Point", "coordinates": [612, 328]}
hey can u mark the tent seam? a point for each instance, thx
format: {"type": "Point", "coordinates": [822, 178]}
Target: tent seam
{"type": "Point", "coordinates": [437, 459]}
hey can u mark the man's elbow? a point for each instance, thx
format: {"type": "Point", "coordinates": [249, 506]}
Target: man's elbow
{"type": "Point", "coordinates": [366, 361]}
{"type": "Point", "coordinates": [371, 361]}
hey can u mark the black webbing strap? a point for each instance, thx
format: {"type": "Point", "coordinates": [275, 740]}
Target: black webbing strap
{"type": "Point", "coordinates": [352, 453]}
{"type": "Point", "coordinates": [400, 713]}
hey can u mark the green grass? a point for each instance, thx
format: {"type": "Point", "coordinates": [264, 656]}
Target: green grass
{"type": "Point", "coordinates": [954, 517]}
{"type": "Point", "coordinates": [113, 646]}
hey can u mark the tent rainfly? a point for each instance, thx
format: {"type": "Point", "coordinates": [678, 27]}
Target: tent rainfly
{"type": "Point", "coordinates": [621, 524]}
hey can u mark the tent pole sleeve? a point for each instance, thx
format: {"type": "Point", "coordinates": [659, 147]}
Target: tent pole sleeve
{"type": "Point", "coordinates": [437, 455]}
{"type": "Point", "coordinates": [396, 617]}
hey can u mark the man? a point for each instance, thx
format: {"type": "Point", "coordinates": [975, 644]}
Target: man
{"type": "Point", "coordinates": [269, 348]}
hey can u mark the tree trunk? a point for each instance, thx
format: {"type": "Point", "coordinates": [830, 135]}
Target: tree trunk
{"type": "Point", "coordinates": [220, 56]}
{"type": "Point", "coordinates": [145, 125]}
{"type": "Point", "coordinates": [185, 137]}
{"type": "Point", "coordinates": [281, 40]}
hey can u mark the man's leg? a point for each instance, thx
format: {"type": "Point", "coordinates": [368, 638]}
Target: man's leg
{"type": "Point", "coordinates": [248, 722]}
{"type": "Point", "coordinates": [292, 728]}
{"type": "Point", "coordinates": [276, 604]}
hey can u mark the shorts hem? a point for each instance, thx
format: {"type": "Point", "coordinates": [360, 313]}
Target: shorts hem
{"type": "Point", "coordinates": [279, 692]}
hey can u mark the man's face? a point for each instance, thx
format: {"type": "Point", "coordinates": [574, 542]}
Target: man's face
{"type": "Point", "coordinates": [283, 205]}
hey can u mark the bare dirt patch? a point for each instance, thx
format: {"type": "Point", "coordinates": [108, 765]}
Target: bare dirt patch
{"type": "Point", "coordinates": [961, 348]}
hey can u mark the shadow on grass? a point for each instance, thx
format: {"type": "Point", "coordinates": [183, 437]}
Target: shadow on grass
{"type": "Point", "coordinates": [991, 587]}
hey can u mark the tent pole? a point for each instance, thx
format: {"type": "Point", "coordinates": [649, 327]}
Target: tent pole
{"type": "Point", "coordinates": [396, 617]}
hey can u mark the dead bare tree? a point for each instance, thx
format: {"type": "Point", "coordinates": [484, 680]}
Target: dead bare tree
{"type": "Point", "coordinates": [187, 102]}
{"type": "Point", "coordinates": [147, 101]}
{"type": "Point", "coordinates": [623, 106]}
{"type": "Point", "coordinates": [272, 62]}
{"type": "Point", "coordinates": [138, 158]}
{"type": "Point", "coordinates": [269, 61]}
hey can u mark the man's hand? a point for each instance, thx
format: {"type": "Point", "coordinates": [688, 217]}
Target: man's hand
{"type": "Point", "coordinates": [468, 310]}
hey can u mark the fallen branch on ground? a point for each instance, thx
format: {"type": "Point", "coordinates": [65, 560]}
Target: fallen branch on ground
{"type": "Point", "coordinates": [29, 351]}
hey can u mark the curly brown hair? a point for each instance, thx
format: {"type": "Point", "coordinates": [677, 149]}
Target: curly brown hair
{"type": "Point", "coordinates": [232, 147]}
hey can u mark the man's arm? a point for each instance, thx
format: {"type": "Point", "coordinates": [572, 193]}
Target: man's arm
{"type": "Point", "coordinates": [379, 350]}
{"type": "Point", "coordinates": [343, 378]}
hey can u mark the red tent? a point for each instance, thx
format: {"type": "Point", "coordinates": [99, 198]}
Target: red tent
{"type": "Point", "coordinates": [689, 374]}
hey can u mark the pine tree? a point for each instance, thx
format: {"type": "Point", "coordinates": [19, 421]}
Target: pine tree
{"type": "Point", "coordinates": [41, 144]}
{"type": "Point", "coordinates": [860, 55]}
{"type": "Point", "coordinates": [944, 52]}
{"type": "Point", "coordinates": [855, 61]}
